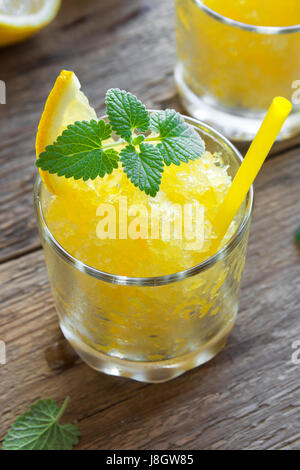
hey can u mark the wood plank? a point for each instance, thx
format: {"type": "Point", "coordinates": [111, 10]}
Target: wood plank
{"type": "Point", "coordinates": [247, 397]}
{"type": "Point", "coordinates": [114, 38]}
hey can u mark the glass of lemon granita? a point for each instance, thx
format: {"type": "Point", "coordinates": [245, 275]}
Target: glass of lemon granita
{"type": "Point", "coordinates": [233, 57]}
{"type": "Point", "coordinates": [146, 308]}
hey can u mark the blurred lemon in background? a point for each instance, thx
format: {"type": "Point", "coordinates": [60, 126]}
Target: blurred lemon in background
{"type": "Point", "coordinates": [20, 19]}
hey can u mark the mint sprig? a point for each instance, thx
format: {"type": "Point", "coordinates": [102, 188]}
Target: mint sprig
{"type": "Point", "coordinates": [39, 429]}
{"type": "Point", "coordinates": [86, 149]}
{"type": "Point", "coordinates": [143, 167]}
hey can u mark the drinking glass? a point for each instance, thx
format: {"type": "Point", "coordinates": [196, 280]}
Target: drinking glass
{"type": "Point", "coordinates": [155, 328]}
{"type": "Point", "coordinates": [228, 72]}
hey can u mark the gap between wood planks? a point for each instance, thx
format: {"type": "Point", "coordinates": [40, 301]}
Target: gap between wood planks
{"type": "Point", "coordinates": [20, 254]}
{"type": "Point", "coordinates": [277, 152]}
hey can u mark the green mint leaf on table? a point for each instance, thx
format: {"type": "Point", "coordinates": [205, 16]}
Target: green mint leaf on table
{"type": "Point", "coordinates": [126, 113]}
{"type": "Point", "coordinates": [144, 168]}
{"type": "Point", "coordinates": [79, 153]}
{"type": "Point", "coordinates": [39, 429]}
{"type": "Point", "coordinates": [179, 141]}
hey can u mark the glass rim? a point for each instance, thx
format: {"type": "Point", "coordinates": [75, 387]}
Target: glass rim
{"type": "Point", "coordinates": [246, 26]}
{"type": "Point", "coordinates": [153, 280]}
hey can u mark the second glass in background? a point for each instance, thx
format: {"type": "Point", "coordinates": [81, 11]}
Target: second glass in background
{"type": "Point", "coordinates": [227, 72]}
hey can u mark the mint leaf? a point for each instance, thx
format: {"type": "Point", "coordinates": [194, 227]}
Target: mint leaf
{"type": "Point", "coordinates": [39, 429]}
{"type": "Point", "coordinates": [179, 141]}
{"type": "Point", "coordinates": [79, 152]}
{"type": "Point", "coordinates": [144, 168]}
{"type": "Point", "coordinates": [126, 113]}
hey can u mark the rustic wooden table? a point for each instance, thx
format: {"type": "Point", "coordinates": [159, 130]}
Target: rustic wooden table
{"type": "Point", "coordinates": [246, 398]}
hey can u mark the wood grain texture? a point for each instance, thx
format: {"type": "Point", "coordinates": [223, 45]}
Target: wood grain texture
{"type": "Point", "coordinates": [108, 43]}
{"type": "Point", "coordinates": [248, 397]}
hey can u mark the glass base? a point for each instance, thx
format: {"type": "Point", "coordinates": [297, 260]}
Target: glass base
{"type": "Point", "coordinates": [237, 124]}
{"type": "Point", "coordinates": [153, 372]}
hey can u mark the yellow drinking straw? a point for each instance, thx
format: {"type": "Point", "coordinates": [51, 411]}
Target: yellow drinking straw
{"type": "Point", "coordinates": [256, 155]}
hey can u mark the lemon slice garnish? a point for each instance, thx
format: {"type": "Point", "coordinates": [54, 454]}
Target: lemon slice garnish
{"type": "Point", "coordinates": [65, 105]}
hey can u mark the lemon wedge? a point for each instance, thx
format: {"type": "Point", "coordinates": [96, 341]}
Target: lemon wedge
{"type": "Point", "coordinates": [65, 105]}
{"type": "Point", "coordinates": [20, 19]}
